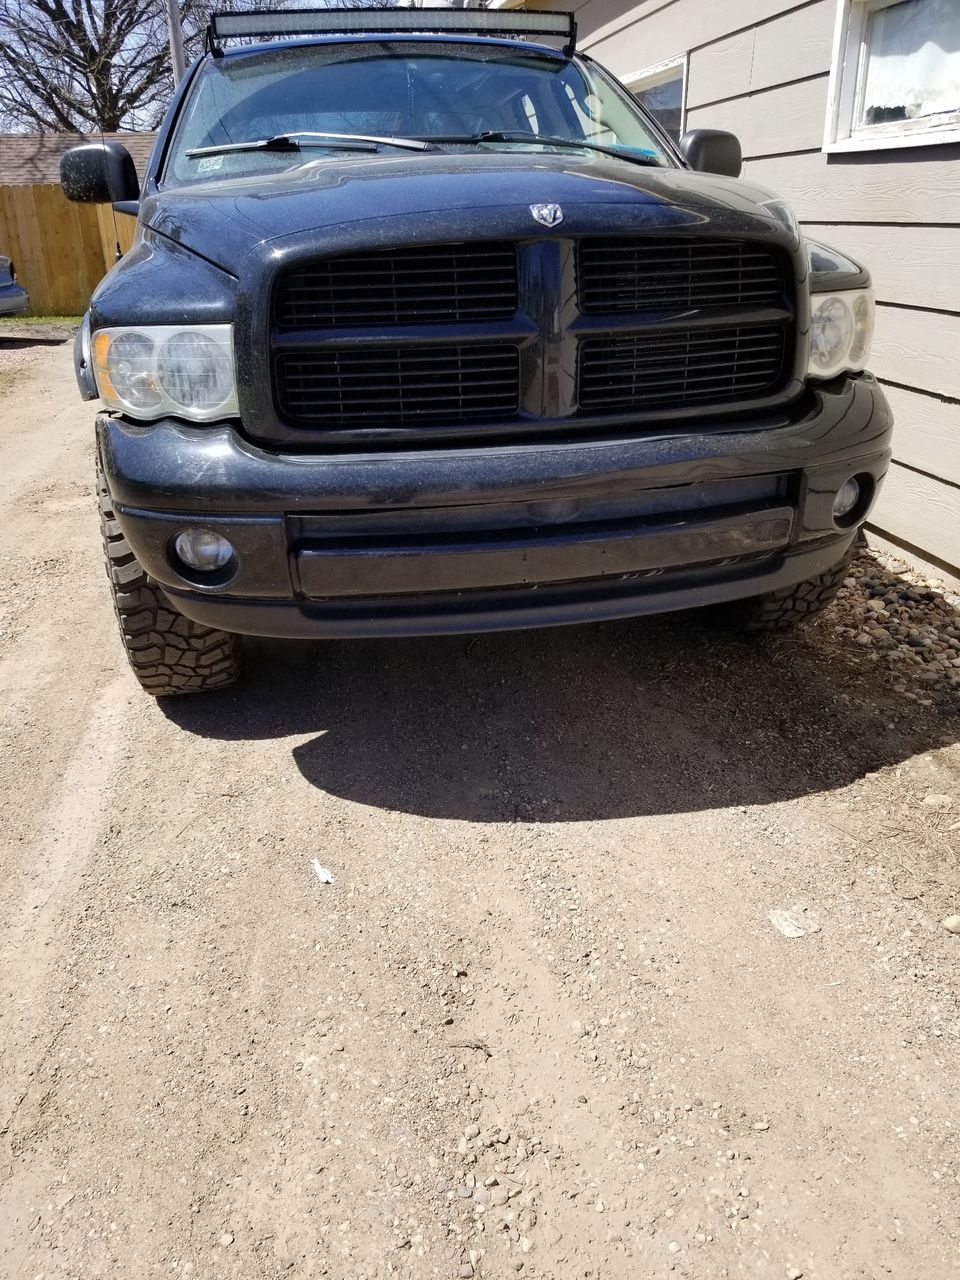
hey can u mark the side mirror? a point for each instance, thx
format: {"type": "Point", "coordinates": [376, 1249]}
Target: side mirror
{"type": "Point", "coordinates": [99, 173]}
{"type": "Point", "coordinates": [712, 151]}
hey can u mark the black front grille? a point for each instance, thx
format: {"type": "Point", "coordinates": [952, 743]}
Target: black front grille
{"type": "Point", "coordinates": [399, 386]}
{"type": "Point", "coordinates": [676, 273]}
{"type": "Point", "coordinates": [676, 369]}
{"type": "Point", "coordinates": [441, 283]}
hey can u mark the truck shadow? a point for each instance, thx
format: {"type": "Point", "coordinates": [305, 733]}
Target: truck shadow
{"type": "Point", "coordinates": [615, 720]}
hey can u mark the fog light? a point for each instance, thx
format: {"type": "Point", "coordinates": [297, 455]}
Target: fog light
{"type": "Point", "coordinates": [848, 495]}
{"type": "Point", "coordinates": [203, 550]}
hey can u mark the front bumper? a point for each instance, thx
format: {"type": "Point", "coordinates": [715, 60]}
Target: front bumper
{"type": "Point", "coordinates": [484, 538]}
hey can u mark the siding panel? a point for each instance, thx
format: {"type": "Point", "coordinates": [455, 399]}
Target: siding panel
{"type": "Point", "coordinates": [721, 70]}
{"type": "Point", "coordinates": [918, 266]}
{"type": "Point", "coordinates": [920, 511]}
{"type": "Point", "coordinates": [629, 41]}
{"type": "Point", "coordinates": [773, 121]}
{"type": "Point", "coordinates": [924, 189]}
{"type": "Point", "coordinates": [927, 433]}
{"type": "Point", "coordinates": [918, 349]}
{"type": "Point", "coordinates": [797, 44]}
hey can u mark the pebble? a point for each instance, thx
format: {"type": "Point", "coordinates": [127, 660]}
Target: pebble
{"type": "Point", "coordinates": [226, 1238]}
{"type": "Point", "coordinates": [910, 628]}
{"type": "Point", "coordinates": [952, 924]}
{"type": "Point", "coordinates": [674, 1246]}
{"type": "Point", "coordinates": [466, 1271]}
{"type": "Point", "coordinates": [794, 1274]}
{"type": "Point", "coordinates": [472, 1131]}
{"type": "Point", "coordinates": [938, 801]}
{"type": "Point", "coordinates": [762, 1126]}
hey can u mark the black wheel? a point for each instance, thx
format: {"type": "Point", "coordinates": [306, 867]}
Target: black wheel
{"type": "Point", "coordinates": [170, 655]}
{"type": "Point", "coordinates": [790, 606]}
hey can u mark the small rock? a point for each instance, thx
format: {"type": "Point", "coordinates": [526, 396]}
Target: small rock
{"type": "Point", "coordinates": [952, 924]}
{"type": "Point", "coordinates": [226, 1238]}
{"type": "Point", "coordinates": [938, 801]}
{"type": "Point", "coordinates": [466, 1271]}
{"type": "Point", "coordinates": [794, 1274]}
{"type": "Point", "coordinates": [464, 1192]}
{"type": "Point", "coordinates": [796, 923]}
{"type": "Point", "coordinates": [674, 1246]}
{"type": "Point", "coordinates": [472, 1131]}
{"type": "Point", "coordinates": [762, 1126]}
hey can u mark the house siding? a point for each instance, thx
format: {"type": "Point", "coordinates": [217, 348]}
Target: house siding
{"type": "Point", "coordinates": [761, 69]}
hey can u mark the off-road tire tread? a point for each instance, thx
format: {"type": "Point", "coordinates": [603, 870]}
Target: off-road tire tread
{"type": "Point", "coordinates": [794, 605]}
{"type": "Point", "coordinates": [170, 655]}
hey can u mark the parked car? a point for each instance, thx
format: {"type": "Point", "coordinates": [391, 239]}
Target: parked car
{"type": "Point", "coordinates": [13, 296]}
{"type": "Point", "coordinates": [438, 331]}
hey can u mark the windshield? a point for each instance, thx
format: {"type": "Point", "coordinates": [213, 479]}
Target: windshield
{"type": "Point", "coordinates": [408, 90]}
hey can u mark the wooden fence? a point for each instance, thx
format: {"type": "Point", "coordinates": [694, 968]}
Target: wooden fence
{"type": "Point", "coordinates": [61, 250]}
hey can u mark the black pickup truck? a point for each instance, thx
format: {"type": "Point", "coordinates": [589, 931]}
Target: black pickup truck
{"type": "Point", "coordinates": [428, 327]}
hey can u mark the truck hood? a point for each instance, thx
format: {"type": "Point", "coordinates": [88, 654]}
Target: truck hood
{"type": "Point", "coordinates": [224, 220]}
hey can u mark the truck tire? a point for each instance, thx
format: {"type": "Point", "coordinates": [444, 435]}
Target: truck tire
{"type": "Point", "coordinates": [790, 606]}
{"type": "Point", "coordinates": [170, 655]}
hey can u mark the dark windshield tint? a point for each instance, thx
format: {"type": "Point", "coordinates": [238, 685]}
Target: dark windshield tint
{"type": "Point", "coordinates": [403, 89]}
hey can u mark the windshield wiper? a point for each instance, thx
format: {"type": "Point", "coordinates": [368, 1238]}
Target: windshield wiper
{"type": "Point", "coordinates": [297, 141]}
{"type": "Point", "coordinates": [518, 135]}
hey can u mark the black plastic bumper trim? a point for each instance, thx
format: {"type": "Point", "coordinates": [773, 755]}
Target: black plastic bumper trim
{"type": "Point", "coordinates": [558, 604]}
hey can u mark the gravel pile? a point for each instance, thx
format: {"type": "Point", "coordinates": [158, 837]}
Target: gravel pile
{"type": "Point", "coordinates": [909, 622]}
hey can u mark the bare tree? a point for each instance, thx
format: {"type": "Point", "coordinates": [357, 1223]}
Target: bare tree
{"type": "Point", "coordinates": [79, 66]}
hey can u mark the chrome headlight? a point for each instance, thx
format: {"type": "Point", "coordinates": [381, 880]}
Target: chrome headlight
{"type": "Point", "coordinates": [841, 329]}
{"type": "Point", "coordinates": [181, 370]}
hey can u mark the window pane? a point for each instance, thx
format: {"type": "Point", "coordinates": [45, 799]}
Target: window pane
{"type": "Point", "coordinates": [664, 102]}
{"type": "Point", "coordinates": [912, 62]}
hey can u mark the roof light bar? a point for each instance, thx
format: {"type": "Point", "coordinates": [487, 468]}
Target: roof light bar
{"type": "Point", "coordinates": [310, 22]}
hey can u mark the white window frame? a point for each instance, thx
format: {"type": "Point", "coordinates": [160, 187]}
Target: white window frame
{"type": "Point", "coordinates": [660, 73]}
{"type": "Point", "coordinates": [847, 74]}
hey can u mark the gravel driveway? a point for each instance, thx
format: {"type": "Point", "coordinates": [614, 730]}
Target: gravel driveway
{"type": "Point", "coordinates": [542, 1021]}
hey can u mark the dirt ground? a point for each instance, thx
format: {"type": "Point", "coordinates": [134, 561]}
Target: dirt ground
{"type": "Point", "coordinates": [541, 1022]}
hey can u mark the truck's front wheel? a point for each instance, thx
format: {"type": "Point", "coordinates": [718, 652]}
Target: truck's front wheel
{"type": "Point", "coordinates": [790, 606]}
{"type": "Point", "coordinates": [170, 655]}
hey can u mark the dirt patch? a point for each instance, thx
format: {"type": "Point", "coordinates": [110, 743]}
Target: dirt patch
{"type": "Point", "coordinates": [542, 1022]}
{"type": "Point", "coordinates": [38, 330]}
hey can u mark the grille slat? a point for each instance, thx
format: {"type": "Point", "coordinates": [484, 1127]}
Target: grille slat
{"type": "Point", "coordinates": [675, 272]}
{"type": "Point", "coordinates": [447, 283]}
{"type": "Point", "coordinates": [631, 372]}
{"type": "Point", "coordinates": [400, 386]}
